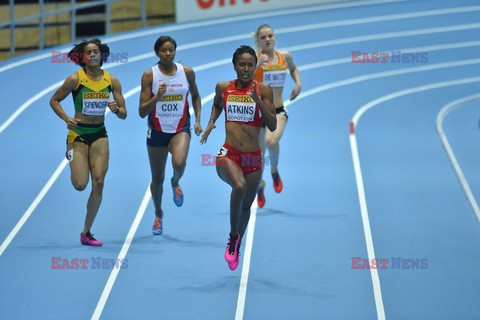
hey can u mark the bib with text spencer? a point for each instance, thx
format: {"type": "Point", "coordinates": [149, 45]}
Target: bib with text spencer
{"type": "Point", "coordinates": [95, 103]}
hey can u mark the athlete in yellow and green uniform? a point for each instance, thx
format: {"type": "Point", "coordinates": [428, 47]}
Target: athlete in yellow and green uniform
{"type": "Point", "coordinates": [87, 140]}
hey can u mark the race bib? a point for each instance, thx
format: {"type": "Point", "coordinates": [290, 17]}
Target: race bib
{"type": "Point", "coordinates": [69, 155]}
{"type": "Point", "coordinates": [240, 108]}
{"type": "Point", "coordinates": [222, 152]}
{"type": "Point", "coordinates": [275, 78]}
{"type": "Point", "coordinates": [149, 133]}
{"type": "Point", "coordinates": [95, 103]}
{"type": "Point", "coordinates": [170, 107]}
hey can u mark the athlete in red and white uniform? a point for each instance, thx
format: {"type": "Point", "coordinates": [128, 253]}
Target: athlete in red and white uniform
{"type": "Point", "coordinates": [241, 109]}
{"type": "Point", "coordinates": [170, 114]}
{"type": "Point", "coordinates": [272, 67]}
{"type": "Point", "coordinates": [247, 105]}
{"type": "Point", "coordinates": [164, 98]}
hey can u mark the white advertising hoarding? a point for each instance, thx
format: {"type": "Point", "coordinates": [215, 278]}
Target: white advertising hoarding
{"type": "Point", "coordinates": [190, 10]}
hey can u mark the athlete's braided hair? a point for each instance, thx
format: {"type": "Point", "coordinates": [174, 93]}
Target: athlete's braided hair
{"type": "Point", "coordinates": [244, 49]}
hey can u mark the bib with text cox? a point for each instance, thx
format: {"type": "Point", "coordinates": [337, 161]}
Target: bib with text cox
{"type": "Point", "coordinates": [240, 108]}
{"type": "Point", "coordinates": [170, 106]}
{"type": "Point", "coordinates": [95, 103]}
{"type": "Point", "coordinates": [275, 78]}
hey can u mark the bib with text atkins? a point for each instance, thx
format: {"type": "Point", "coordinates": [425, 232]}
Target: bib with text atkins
{"type": "Point", "coordinates": [240, 108]}
{"type": "Point", "coordinates": [95, 103]}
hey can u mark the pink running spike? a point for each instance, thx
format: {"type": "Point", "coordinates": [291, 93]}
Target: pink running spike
{"type": "Point", "coordinates": [232, 255]}
{"type": "Point", "coordinates": [88, 239]}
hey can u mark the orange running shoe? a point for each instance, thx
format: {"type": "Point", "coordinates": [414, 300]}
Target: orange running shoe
{"type": "Point", "coordinates": [261, 196]}
{"type": "Point", "coordinates": [177, 196]}
{"type": "Point", "coordinates": [157, 228]}
{"type": "Point", "coordinates": [277, 182]}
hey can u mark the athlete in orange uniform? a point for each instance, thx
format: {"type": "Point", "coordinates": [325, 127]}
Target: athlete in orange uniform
{"type": "Point", "coordinates": [87, 141]}
{"type": "Point", "coordinates": [247, 105]}
{"type": "Point", "coordinates": [164, 98]}
{"type": "Point", "coordinates": [272, 67]}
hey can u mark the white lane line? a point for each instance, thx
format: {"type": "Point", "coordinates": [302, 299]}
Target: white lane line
{"type": "Point", "coordinates": [228, 60]}
{"type": "Point", "coordinates": [400, 93]}
{"type": "Point", "coordinates": [295, 48]}
{"type": "Point", "coordinates": [242, 290]}
{"type": "Point", "coordinates": [130, 236]}
{"type": "Point", "coordinates": [360, 188]}
{"type": "Point", "coordinates": [451, 155]}
{"type": "Point", "coordinates": [242, 294]}
{"type": "Point", "coordinates": [42, 193]}
{"type": "Point", "coordinates": [123, 253]}
{"type": "Point", "coordinates": [386, 35]}
{"type": "Point", "coordinates": [363, 204]}
{"type": "Point", "coordinates": [377, 290]}
{"type": "Point", "coordinates": [206, 66]}
{"type": "Point", "coordinates": [193, 25]}
{"type": "Point", "coordinates": [390, 17]}
{"type": "Point", "coordinates": [33, 206]}
{"type": "Point", "coordinates": [445, 46]}
{"type": "Point", "coordinates": [384, 74]}
{"type": "Point", "coordinates": [251, 228]}
{"type": "Point", "coordinates": [370, 249]}
{"type": "Point", "coordinates": [279, 31]}
{"type": "Point", "coordinates": [310, 45]}
{"type": "Point", "coordinates": [27, 103]}
{"type": "Point", "coordinates": [303, 95]}
{"type": "Point", "coordinates": [337, 84]}
{"type": "Point", "coordinates": [359, 178]}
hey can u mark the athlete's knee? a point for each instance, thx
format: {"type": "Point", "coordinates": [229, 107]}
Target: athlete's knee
{"type": "Point", "coordinates": [157, 179]}
{"type": "Point", "coordinates": [239, 187]}
{"type": "Point", "coordinates": [179, 162]}
{"type": "Point", "coordinates": [98, 182]}
{"type": "Point", "coordinates": [79, 185]}
{"type": "Point", "coordinates": [272, 142]}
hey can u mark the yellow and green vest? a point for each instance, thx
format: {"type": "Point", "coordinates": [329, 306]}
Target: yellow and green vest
{"type": "Point", "coordinates": [91, 97]}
